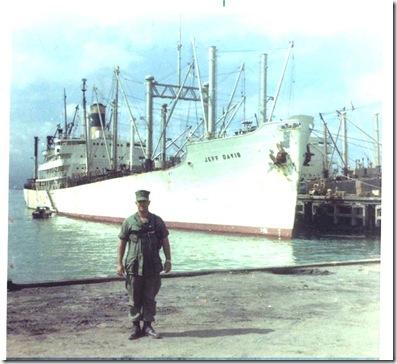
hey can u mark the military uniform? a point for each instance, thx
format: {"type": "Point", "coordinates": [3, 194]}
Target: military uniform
{"type": "Point", "coordinates": [143, 264]}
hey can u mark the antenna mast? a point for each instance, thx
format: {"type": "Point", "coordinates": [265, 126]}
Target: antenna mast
{"type": "Point", "coordinates": [179, 52]}
{"type": "Point", "coordinates": [377, 149]}
{"type": "Point", "coordinates": [64, 105]}
{"type": "Point", "coordinates": [344, 143]}
{"type": "Point", "coordinates": [291, 45]}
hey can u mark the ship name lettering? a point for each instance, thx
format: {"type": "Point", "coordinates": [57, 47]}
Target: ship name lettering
{"type": "Point", "coordinates": [214, 158]}
{"type": "Point", "coordinates": [232, 155]}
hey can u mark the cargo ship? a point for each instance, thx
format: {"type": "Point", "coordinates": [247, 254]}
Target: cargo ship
{"type": "Point", "coordinates": [244, 182]}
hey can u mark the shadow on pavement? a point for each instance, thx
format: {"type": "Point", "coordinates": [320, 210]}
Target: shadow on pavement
{"type": "Point", "coordinates": [216, 333]}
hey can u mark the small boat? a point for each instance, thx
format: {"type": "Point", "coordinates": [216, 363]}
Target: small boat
{"type": "Point", "coordinates": [42, 212]}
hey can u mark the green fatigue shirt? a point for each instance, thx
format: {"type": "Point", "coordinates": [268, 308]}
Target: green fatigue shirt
{"type": "Point", "coordinates": [144, 244]}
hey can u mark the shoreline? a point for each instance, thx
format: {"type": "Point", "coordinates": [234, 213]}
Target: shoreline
{"type": "Point", "coordinates": [11, 286]}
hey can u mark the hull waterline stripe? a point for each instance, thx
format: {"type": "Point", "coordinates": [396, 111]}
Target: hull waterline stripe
{"type": "Point", "coordinates": [226, 229]}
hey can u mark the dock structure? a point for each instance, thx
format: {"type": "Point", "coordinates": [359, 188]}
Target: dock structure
{"type": "Point", "coordinates": [340, 207]}
{"type": "Point", "coordinates": [338, 215]}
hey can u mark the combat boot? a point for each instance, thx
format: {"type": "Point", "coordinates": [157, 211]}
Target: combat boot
{"type": "Point", "coordinates": [136, 331]}
{"type": "Point", "coordinates": [149, 331]}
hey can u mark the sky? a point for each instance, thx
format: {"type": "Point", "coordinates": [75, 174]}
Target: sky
{"type": "Point", "coordinates": [338, 58]}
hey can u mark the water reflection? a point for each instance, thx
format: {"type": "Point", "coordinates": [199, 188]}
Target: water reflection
{"type": "Point", "coordinates": [199, 250]}
{"type": "Point", "coordinates": [329, 250]}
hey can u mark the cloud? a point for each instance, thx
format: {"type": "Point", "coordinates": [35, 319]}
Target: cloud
{"type": "Point", "coordinates": [370, 87]}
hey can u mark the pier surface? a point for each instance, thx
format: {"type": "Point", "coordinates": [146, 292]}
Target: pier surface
{"type": "Point", "coordinates": [310, 312]}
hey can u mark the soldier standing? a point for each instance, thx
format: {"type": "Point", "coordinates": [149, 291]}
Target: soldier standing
{"type": "Point", "coordinates": [143, 234]}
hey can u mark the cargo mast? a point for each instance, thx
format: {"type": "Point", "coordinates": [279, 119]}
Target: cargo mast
{"type": "Point", "coordinates": [86, 128]}
{"type": "Point", "coordinates": [115, 120]}
{"type": "Point", "coordinates": [212, 93]}
{"type": "Point", "coordinates": [263, 90]}
{"type": "Point", "coordinates": [291, 45]}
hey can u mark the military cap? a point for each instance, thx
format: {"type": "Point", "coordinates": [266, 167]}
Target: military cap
{"type": "Point", "coordinates": [142, 195]}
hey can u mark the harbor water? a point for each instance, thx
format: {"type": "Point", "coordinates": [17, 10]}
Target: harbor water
{"type": "Point", "coordinates": [62, 248]}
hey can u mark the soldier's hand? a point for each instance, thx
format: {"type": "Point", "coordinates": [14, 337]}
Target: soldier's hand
{"type": "Point", "coordinates": [167, 266]}
{"type": "Point", "coordinates": [120, 270]}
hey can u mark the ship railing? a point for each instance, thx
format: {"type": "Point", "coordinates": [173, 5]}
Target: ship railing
{"type": "Point", "coordinates": [110, 174]}
{"type": "Point", "coordinates": [77, 180]}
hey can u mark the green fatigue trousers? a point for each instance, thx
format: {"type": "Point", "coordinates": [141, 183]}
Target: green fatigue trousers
{"type": "Point", "coordinates": [142, 292]}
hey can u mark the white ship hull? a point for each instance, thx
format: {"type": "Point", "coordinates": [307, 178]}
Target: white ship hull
{"type": "Point", "coordinates": [229, 185]}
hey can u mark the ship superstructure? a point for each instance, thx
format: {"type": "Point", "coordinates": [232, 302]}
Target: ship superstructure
{"type": "Point", "coordinates": [245, 182]}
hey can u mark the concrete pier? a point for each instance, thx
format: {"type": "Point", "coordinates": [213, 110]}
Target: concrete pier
{"type": "Point", "coordinates": [328, 311]}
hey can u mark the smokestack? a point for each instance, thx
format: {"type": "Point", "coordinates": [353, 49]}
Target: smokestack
{"type": "Point", "coordinates": [97, 117]}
